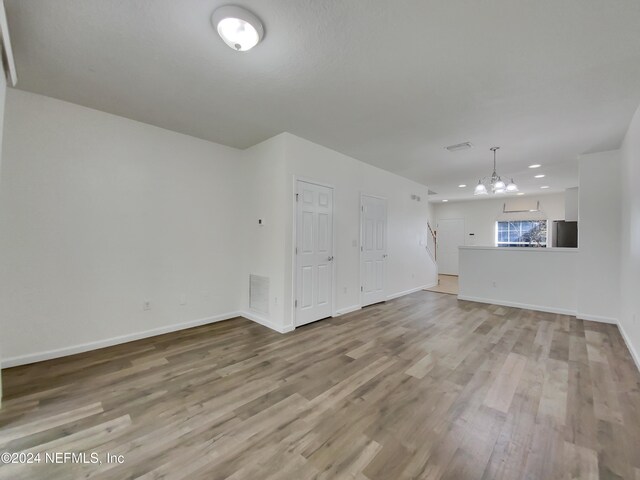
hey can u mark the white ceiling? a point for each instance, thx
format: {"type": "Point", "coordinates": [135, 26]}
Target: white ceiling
{"type": "Point", "coordinates": [390, 83]}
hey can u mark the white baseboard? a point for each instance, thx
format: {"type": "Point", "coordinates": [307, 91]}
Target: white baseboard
{"type": "Point", "coordinates": [109, 342]}
{"type": "Point", "coordinates": [344, 311]}
{"type": "Point", "coordinates": [254, 317]}
{"type": "Point", "coordinates": [265, 322]}
{"type": "Point", "coordinates": [407, 292]}
{"type": "Point", "coordinates": [539, 308]}
{"type": "Point", "coordinates": [632, 350]}
{"type": "Point", "coordinates": [355, 308]}
{"type": "Point", "coordinates": [596, 318]}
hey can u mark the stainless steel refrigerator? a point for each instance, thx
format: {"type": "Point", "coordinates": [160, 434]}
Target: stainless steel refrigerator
{"type": "Point", "coordinates": [565, 234]}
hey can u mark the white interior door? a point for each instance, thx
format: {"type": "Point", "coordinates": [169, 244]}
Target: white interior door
{"type": "Point", "coordinates": [314, 252]}
{"type": "Point", "coordinates": [450, 237]}
{"type": "Point", "coordinates": [373, 224]}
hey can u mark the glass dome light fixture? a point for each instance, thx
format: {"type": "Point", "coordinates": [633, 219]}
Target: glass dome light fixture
{"type": "Point", "coordinates": [480, 189]}
{"type": "Point", "coordinates": [512, 187]}
{"type": "Point", "coordinates": [239, 28]}
{"type": "Point", "coordinates": [495, 181]}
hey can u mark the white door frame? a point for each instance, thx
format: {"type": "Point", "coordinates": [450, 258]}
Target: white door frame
{"type": "Point", "coordinates": [386, 241]}
{"type": "Point", "coordinates": [294, 257]}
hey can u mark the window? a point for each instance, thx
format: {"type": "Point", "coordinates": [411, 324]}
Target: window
{"type": "Point", "coordinates": [521, 233]}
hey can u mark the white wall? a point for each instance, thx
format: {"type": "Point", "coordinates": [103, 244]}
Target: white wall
{"type": "Point", "coordinates": [3, 91]}
{"type": "Point", "coordinates": [571, 204]}
{"type": "Point", "coordinates": [99, 213]}
{"type": "Point", "coordinates": [534, 278]}
{"type": "Point", "coordinates": [264, 252]}
{"type": "Point", "coordinates": [592, 291]}
{"type": "Point", "coordinates": [409, 266]}
{"type": "Point", "coordinates": [480, 215]}
{"type": "Point", "coordinates": [629, 320]}
{"type": "Point", "coordinates": [599, 237]}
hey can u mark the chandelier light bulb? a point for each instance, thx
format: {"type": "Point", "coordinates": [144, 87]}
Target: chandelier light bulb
{"type": "Point", "coordinates": [480, 189]}
{"type": "Point", "coordinates": [499, 185]}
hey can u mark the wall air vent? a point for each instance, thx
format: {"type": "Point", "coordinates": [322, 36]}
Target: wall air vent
{"type": "Point", "coordinates": [459, 146]}
{"type": "Point", "coordinates": [259, 293]}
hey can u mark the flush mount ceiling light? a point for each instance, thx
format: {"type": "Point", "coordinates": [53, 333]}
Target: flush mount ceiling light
{"type": "Point", "coordinates": [535, 165]}
{"type": "Point", "coordinates": [462, 185]}
{"type": "Point", "coordinates": [539, 176]}
{"type": "Point", "coordinates": [239, 28]}
{"type": "Point", "coordinates": [495, 182]}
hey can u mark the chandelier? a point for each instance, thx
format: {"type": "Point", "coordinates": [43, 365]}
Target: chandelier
{"type": "Point", "coordinates": [496, 183]}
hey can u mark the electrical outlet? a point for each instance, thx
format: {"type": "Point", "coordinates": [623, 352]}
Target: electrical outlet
{"type": "Point", "coordinates": [495, 284]}
{"type": "Point", "coordinates": [146, 305]}
{"type": "Point", "coordinates": [275, 300]}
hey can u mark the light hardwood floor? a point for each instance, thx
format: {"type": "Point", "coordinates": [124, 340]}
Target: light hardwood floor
{"type": "Point", "coordinates": [446, 284]}
{"type": "Point", "coordinates": [424, 386]}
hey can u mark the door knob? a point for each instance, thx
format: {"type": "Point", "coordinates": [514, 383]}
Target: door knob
{"type": "Point", "coordinates": [384, 256]}
{"type": "Point", "coordinates": [330, 258]}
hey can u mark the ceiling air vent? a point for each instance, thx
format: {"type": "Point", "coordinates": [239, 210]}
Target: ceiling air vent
{"type": "Point", "coordinates": [459, 146]}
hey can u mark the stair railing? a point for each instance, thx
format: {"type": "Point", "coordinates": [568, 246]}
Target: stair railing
{"type": "Point", "coordinates": [432, 241]}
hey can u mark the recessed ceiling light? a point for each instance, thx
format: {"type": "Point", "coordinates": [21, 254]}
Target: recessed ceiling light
{"type": "Point", "coordinates": [545, 186]}
{"type": "Point", "coordinates": [239, 28]}
{"type": "Point", "coordinates": [445, 200]}
{"type": "Point", "coordinates": [461, 185]}
{"type": "Point", "coordinates": [535, 165]}
{"type": "Point", "coordinates": [520, 193]}
{"type": "Point", "coordinates": [539, 176]}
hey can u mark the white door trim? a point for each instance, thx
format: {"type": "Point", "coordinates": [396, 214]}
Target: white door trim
{"type": "Point", "coordinates": [386, 239]}
{"type": "Point", "coordinates": [294, 257]}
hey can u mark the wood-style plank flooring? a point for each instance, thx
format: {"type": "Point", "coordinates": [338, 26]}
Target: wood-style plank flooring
{"type": "Point", "coordinates": [446, 284]}
{"type": "Point", "coordinates": [424, 386]}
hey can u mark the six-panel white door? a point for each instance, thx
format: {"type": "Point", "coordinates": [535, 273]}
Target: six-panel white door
{"type": "Point", "coordinates": [314, 252]}
{"type": "Point", "coordinates": [373, 214]}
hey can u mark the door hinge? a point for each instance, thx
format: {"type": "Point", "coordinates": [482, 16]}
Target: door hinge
{"type": "Point", "coordinates": [361, 248]}
{"type": "Point", "coordinates": [296, 250]}
{"type": "Point", "coordinates": [362, 208]}
{"type": "Point", "coordinates": [362, 289]}
{"type": "Point", "coordinates": [295, 304]}
{"type": "Point", "coordinates": [296, 197]}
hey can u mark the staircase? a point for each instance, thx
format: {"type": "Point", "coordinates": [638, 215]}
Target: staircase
{"type": "Point", "coordinates": [432, 242]}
